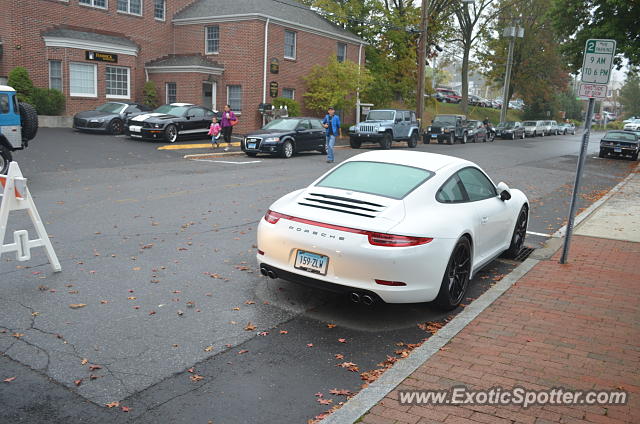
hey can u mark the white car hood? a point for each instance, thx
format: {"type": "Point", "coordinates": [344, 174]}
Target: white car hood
{"type": "Point", "coordinates": [345, 208]}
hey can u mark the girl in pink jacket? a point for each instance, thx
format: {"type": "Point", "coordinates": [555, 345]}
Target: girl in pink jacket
{"type": "Point", "coordinates": [214, 131]}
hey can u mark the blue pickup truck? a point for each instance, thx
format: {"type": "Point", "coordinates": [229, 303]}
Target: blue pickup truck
{"type": "Point", "coordinates": [18, 125]}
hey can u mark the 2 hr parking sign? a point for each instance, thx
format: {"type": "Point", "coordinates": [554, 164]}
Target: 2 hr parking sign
{"type": "Point", "coordinates": [598, 58]}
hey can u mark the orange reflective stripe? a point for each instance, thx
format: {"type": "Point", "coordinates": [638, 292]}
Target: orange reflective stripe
{"type": "Point", "coordinates": [3, 182]}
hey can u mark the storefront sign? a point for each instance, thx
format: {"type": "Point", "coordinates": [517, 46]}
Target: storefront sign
{"type": "Point", "coordinates": [101, 57]}
{"type": "Point", "coordinates": [274, 67]}
{"type": "Point", "coordinates": [273, 89]}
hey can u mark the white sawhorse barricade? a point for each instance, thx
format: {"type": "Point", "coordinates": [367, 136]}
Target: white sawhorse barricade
{"type": "Point", "coordinates": [16, 197]}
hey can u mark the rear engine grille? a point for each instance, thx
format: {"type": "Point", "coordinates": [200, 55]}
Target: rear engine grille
{"type": "Point", "coordinates": [343, 204]}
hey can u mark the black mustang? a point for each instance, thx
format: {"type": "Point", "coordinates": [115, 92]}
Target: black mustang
{"type": "Point", "coordinates": [286, 136]}
{"type": "Point", "coordinates": [169, 122]}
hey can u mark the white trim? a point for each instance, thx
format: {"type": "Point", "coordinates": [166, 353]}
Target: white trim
{"type": "Point", "coordinates": [128, 11]}
{"type": "Point", "coordinates": [346, 46]}
{"type": "Point", "coordinates": [293, 93]}
{"type": "Point", "coordinates": [206, 40]}
{"type": "Point", "coordinates": [106, 4]}
{"type": "Point", "coordinates": [95, 80]}
{"type": "Point", "coordinates": [260, 16]}
{"type": "Point", "coordinates": [166, 91]}
{"type": "Point", "coordinates": [184, 68]}
{"type": "Point", "coordinates": [76, 43]}
{"type": "Point", "coordinates": [164, 11]}
{"type": "Point", "coordinates": [115, 96]}
{"type": "Point", "coordinates": [295, 44]}
{"type": "Point", "coordinates": [61, 73]}
{"type": "Point", "coordinates": [264, 69]}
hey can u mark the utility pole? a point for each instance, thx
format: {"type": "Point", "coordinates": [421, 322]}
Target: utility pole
{"type": "Point", "coordinates": [511, 32]}
{"type": "Point", "coordinates": [422, 58]}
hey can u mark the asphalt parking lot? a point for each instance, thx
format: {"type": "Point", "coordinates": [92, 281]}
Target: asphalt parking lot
{"type": "Point", "coordinates": [161, 250]}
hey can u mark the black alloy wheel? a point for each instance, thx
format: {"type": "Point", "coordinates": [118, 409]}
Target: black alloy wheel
{"type": "Point", "coordinates": [456, 277]}
{"type": "Point", "coordinates": [116, 127]}
{"type": "Point", "coordinates": [519, 234]}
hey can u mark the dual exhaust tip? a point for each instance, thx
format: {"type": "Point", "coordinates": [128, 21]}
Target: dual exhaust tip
{"type": "Point", "coordinates": [268, 272]}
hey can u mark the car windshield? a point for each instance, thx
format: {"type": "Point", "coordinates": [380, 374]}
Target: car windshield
{"type": "Point", "coordinates": [379, 178]}
{"type": "Point", "coordinates": [472, 124]}
{"type": "Point", "coordinates": [111, 107]}
{"type": "Point", "coordinates": [529, 123]}
{"type": "Point", "coordinates": [172, 110]}
{"type": "Point", "coordinates": [506, 125]}
{"type": "Point", "coordinates": [282, 124]}
{"type": "Point", "coordinates": [447, 120]}
{"type": "Point", "coordinates": [620, 136]}
{"type": "Point", "coordinates": [380, 115]}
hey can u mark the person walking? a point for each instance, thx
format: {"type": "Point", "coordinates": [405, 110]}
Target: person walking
{"type": "Point", "coordinates": [229, 119]}
{"type": "Point", "coordinates": [331, 122]}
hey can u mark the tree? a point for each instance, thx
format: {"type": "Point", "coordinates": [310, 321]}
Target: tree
{"type": "Point", "coordinates": [576, 21]}
{"type": "Point", "coordinates": [630, 95]}
{"type": "Point", "coordinates": [150, 94]}
{"type": "Point", "coordinates": [20, 81]}
{"type": "Point", "coordinates": [293, 107]}
{"type": "Point", "coordinates": [335, 84]}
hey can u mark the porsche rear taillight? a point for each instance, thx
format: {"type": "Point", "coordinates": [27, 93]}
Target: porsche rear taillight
{"type": "Point", "coordinates": [272, 217]}
{"type": "Point", "coordinates": [391, 240]}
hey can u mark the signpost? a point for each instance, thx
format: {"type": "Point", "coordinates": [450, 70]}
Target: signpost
{"type": "Point", "coordinates": [596, 72]}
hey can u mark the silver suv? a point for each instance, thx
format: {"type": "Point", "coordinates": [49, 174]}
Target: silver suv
{"type": "Point", "coordinates": [533, 128]}
{"type": "Point", "coordinates": [385, 126]}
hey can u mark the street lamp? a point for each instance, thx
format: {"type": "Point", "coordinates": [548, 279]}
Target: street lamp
{"type": "Point", "coordinates": [510, 32]}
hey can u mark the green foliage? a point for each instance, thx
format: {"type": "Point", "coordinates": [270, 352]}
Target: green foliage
{"type": "Point", "coordinates": [292, 106]}
{"type": "Point", "coordinates": [150, 94]}
{"type": "Point", "coordinates": [572, 107]}
{"type": "Point", "coordinates": [47, 101]}
{"type": "Point", "coordinates": [335, 84]}
{"type": "Point", "coordinates": [20, 81]}
{"type": "Point", "coordinates": [630, 95]}
{"type": "Point", "coordinates": [576, 21]}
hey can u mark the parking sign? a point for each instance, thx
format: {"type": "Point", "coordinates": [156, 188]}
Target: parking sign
{"type": "Point", "coordinates": [598, 58]}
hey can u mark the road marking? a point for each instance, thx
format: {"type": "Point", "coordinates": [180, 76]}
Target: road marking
{"type": "Point", "coordinates": [225, 161]}
{"type": "Point", "coordinates": [533, 233]}
{"type": "Point", "coordinates": [192, 146]}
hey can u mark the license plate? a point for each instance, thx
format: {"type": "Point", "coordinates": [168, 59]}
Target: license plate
{"type": "Point", "coordinates": [617, 149]}
{"type": "Point", "coordinates": [135, 128]}
{"type": "Point", "coordinates": [434, 135]}
{"type": "Point", "coordinates": [136, 135]}
{"type": "Point", "coordinates": [311, 262]}
{"type": "Point", "coordinates": [251, 145]}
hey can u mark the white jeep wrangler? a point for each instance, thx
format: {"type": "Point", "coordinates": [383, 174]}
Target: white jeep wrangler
{"type": "Point", "coordinates": [18, 125]}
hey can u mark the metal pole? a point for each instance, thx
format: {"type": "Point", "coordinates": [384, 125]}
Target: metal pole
{"type": "Point", "coordinates": [576, 186]}
{"type": "Point", "coordinates": [507, 79]}
{"type": "Point", "coordinates": [422, 56]}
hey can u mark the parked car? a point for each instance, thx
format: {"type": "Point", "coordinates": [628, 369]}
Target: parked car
{"type": "Point", "coordinates": [401, 227]}
{"type": "Point", "coordinates": [18, 126]}
{"type": "Point", "coordinates": [626, 121]}
{"type": "Point", "coordinates": [384, 126]}
{"type": "Point", "coordinates": [632, 125]}
{"type": "Point", "coordinates": [449, 95]}
{"type": "Point", "coordinates": [477, 101]}
{"type": "Point", "coordinates": [171, 122]}
{"type": "Point", "coordinates": [555, 128]}
{"type": "Point", "coordinates": [567, 128]}
{"type": "Point", "coordinates": [109, 117]}
{"type": "Point", "coordinates": [620, 143]}
{"type": "Point", "coordinates": [547, 127]}
{"type": "Point", "coordinates": [447, 128]}
{"type": "Point", "coordinates": [476, 131]}
{"type": "Point", "coordinates": [286, 137]}
{"type": "Point", "coordinates": [510, 129]}
{"type": "Point", "coordinates": [533, 128]}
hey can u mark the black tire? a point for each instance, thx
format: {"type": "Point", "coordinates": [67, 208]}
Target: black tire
{"type": "Point", "coordinates": [519, 234]}
{"type": "Point", "coordinates": [602, 154]}
{"type": "Point", "coordinates": [29, 120]}
{"type": "Point", "coordinates": [5, 159]}
{"type": "Point", "coordinates": [455, 280]}
{"type": "Point", "coordinates": [634, 156]}
{"type": "Point", "coordinates": [523, 135]}
{"type": "Point", "coordinates": [475, 138]}
{"type": "Point", "coordinates": [413, 140]}
{"type": "Point", "coordinates": [323, 149]}
{"type": "Point", "coordinates": [354, 143]}
{"type": "Point", "coordinates": [171, 133]}
{"type": "Point", "coordinates": [464, 138]}
{"type": "Point", "coordinates": [116, 126]}
{"type": "Point", "coordinates": [386, 141]}
{"type": "Point", "coordinates": [287, 149]}
{"type": "Point", "coordinates": [251, 154]}
{"type": "Point", "coordinates": [513, 136]}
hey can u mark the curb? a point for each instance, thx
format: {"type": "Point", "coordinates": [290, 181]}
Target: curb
{"type": "Point", "coordinates": [367, 398]}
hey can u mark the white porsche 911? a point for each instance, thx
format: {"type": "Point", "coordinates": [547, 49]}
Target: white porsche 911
{"type": "Point", "coordinates": [401, 227]}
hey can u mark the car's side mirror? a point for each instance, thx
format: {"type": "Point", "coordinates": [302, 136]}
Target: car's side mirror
{"type": "Point", "coordinates": [503, 191]}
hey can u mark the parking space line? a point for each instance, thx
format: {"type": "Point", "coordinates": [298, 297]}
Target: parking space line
{"type": "Point", "coordinates": [225, 161]}
{"type": "Point", "coordinates": [192, 146]}
{"type": "Point", "coordinates": [533, 233]}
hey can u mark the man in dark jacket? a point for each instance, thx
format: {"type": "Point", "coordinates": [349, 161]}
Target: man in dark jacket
{"type": "Point", "coordinates": [332, 124]}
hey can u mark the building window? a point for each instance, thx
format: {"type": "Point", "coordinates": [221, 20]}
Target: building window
{"type": "Point", "coordinates": [212, 39]}
{"type": "Point", "coordinates": [82, 80]}
{"type": "Point", "coordinates": [234, 97]}
{"type": "Point", "coordinates": [172, 91]}
{"type": "Point", "coordinates": [117, 82]}
{"type": "Point", "coordinates": [342, 52]}
{"type": "Point", "coordinates": [55, 74]}
{"type": "Point", "coordinates": [133, 7]}
{"type": "Point", "coordinates": [95, 3]}
{"type": "Point", "coordinates": [289, 44]}
{"type": "Point", "coordinates": [288, 93]}
{"type": "Point", "coordinates": [158, 9]}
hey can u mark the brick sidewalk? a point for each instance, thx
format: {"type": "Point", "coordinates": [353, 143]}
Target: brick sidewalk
{"type": "Point", "coordinates": [575, 326]}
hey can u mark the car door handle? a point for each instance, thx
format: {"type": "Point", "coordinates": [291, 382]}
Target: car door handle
{"type": "Point", "coordinates": [484, 219]}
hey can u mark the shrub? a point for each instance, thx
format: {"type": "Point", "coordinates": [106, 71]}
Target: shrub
{"type": "Point", "coordinates": [47, 101]}
{"type": "Point", "coordinates": [150, 94]}
{"type": "Point", "coordinates": [292, 106]}
{"type": "Point", "coordinates": [20, 81]}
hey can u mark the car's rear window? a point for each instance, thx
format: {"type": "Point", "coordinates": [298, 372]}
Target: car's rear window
{"type": "Point", "coordinates": [529, 123]}
{"type": "Point", "coordinates": [379, 178]}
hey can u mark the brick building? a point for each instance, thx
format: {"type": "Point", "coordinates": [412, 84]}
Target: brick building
{"type": "Point", "coordinates": [208, 52]}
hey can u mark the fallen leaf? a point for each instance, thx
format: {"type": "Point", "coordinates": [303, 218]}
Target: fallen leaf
{"type": "Point", "coordinates": [95, 367]}
{"type": "Point", "coordinates": [152, 312]}
{"type": "Point", "coordinates": [339, 356]}
{"type": "Point", "coordinates": [319, 395]}
{"type": "Point", "coordinates": [342, 340]}
{"type": "Point", "coordinates": [180, 313]}
{"type": "Point", "coordinates": [196, 377]}
{"type": "Point", "coordinates": [132, 298]}
{"type": "Point", "coordinates": [17, 335]}
{"type": "Point", "coordinates": [263, 333]}
{"type": "Point", "coordinates": [309, 344]}
{"type": "Point", "coordinates": [77, 382]}
{"type": "Point", "coordinates": [9, 380]}
{"type": "Point", "coordinates": [93, 377]}
{"type": "Point", "coordinates": [340, 392]}
{"type": "Point", "coordinates": [77, 305]}
{"type": "Point", "coordinates": [331, 326]}
{"type": "Point", "coordinates": [243, 351]}
{"type": "Point", "coordinates": [137, 268]}
{"type": "Point", "coordinates": [112, 404]}
{"type": "Point", "coordinates": [208, 348]}
{"type": "Point", "coordinates": [125, 409]}
{"type": "Point", "coordinates": [250, 327]}
{"type": "Point", "coordinates": [104, 302]}
{"type": "Point", "coordinates": [236, 309]}
{"type": "Point", "coordinates": [249, 302]}
{"type": "Point", "coordinates": [284, 332]}
{"type": "Point", "coordinates": [325, 401]}
{"type": "Point", "coordinates": [84, 362]}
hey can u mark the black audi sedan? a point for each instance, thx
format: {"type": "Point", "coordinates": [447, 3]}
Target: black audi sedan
{"type": "Point", "coordinates": [286, 136]}
{"type": "Point", "coordinates": [109, 117]}
{"type": "Point", "coordinates": [170, 122]}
